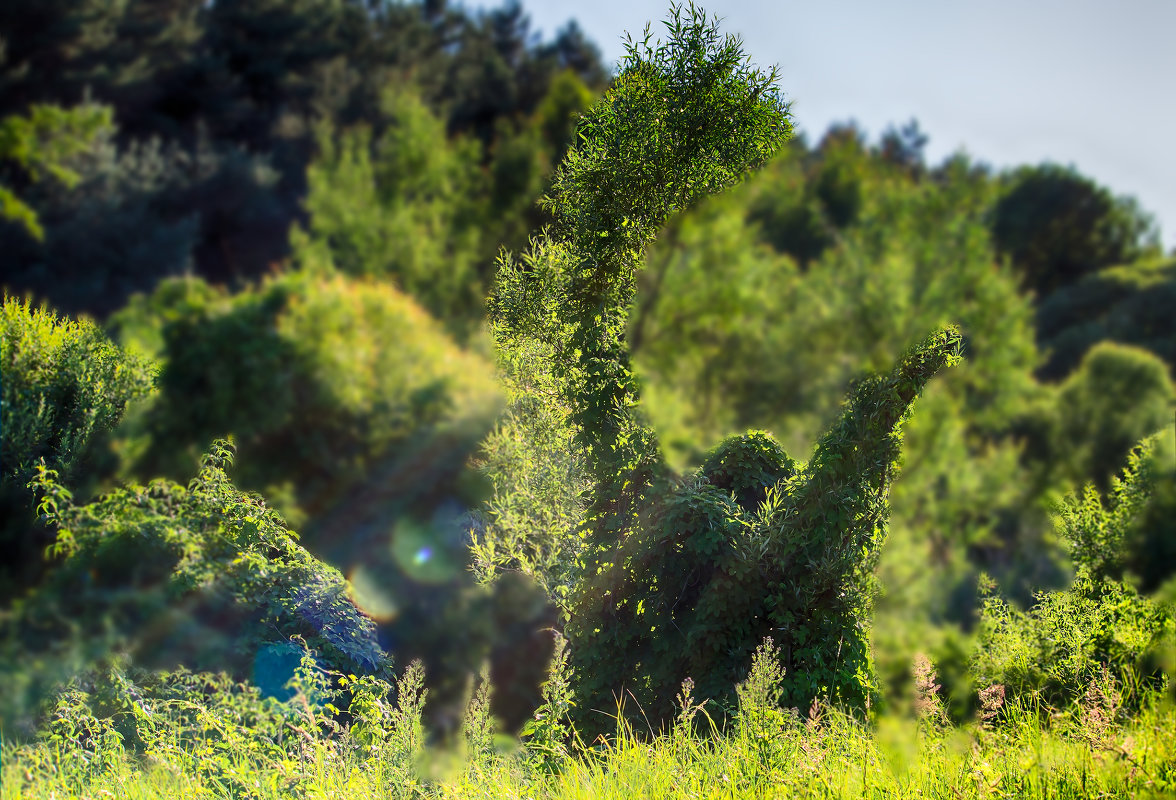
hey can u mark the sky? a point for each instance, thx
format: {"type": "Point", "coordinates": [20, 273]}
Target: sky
{"type": "Point", "coordinates": [1080, 82]}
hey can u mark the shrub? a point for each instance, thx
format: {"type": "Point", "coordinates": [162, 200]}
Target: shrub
{"type": "Point", "coordinates": [1101, 624]}
{"type": "Point", "coordinates": [687, 578]}
{"type": "Point", "coordinates": [65, 387]}
{"type": "Point", "coordinates": [1118, 395]}
{"type": "Point", "coordinates": [203, 576]}
{"type": "Point", "coordinates": [1130, 304]}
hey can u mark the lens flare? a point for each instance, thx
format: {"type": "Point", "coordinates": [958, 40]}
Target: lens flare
{"type": "Point", "coordinates": [419, 550]}
{"type": "Point", "coordinates": [369, 596]}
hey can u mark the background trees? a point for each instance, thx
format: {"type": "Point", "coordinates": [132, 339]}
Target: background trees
{"type": "Point", "coordinates": [293, 210]}
{"type": "Point", "coordinates": [1056, 226]}
{"type": "Point", "coordinates": [221, 107]}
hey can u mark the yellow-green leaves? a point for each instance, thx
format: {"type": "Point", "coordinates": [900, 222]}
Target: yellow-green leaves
{"type": "Point", "coordinates": [42, 142]}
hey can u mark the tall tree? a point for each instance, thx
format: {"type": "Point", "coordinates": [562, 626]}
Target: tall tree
{"type": "Point", "coordinates": [1057, 225]}
{"type": "Point", "coordinates": [685, 577]}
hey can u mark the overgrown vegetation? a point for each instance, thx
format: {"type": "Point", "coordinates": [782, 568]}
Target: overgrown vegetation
{"type": "Point", "coordinates": [233, 744]}
{"type": "Point", "coordinates": [602, 573]}
{"type": "Point", "coordinates": [65, 388]}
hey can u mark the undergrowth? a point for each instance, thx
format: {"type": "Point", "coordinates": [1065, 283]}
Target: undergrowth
{"type": "Point", "coordinates": [238, 745]}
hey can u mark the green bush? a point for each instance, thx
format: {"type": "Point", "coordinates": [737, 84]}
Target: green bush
{"type": "Point", "coordinates": [226, 733]}
{"type": "Point", "coordinates": [1100, 625]}
{"type": "Point", "coordinates": [1118, 395]}
{"type": "Point", "coordinates": [1130, 304]}
{"type": "Point", "coordinates": [404, 206]}
{"type": "Point", "coordinates": [42, 142]}
{"type": "Point", "coordinates": [203, 576]}
{"type": "Point", "coordinates": [64, 387]}
{"type": "Point", "coordinates": [1057, 225]}
{"type": "Point", "coordinates": [349, 405]}
{"type": "Point", "coordinates": [821, 194]}
{"type": "Point", "coordinates": [729, 335]}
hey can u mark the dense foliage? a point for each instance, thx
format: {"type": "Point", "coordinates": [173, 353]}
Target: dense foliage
{"type": "Point", "coordinates": [221, 108]}
{"type": "Point", "coordinates": [1129, 303]}
{"type": "Point", "coordinates": [41, 144]}
{"type": "Point", "coordinates": [65, 387]}
{"type": "Point", "coordinates": [1058, 226]}
{"type": "Point", "coordinates": [201, 575]}
{"type": "Point", "coordinates": [1101, 633]}
{"type": "Point", "coordinates": [338, 428]}
{"type": "Point", "coordinates": [285, 215]}
{"type": "Point", "coordinates": [686, 580]}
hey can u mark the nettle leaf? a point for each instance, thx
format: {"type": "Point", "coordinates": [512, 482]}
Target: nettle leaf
{"type": "Point", "coordinates": [208, 562]}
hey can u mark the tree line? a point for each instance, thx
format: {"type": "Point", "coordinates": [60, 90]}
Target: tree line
{"type": "Point", "coordinates": [285, 219]}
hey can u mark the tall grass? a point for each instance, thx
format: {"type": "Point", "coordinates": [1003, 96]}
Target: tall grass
{"type": "Point", "coordinates": [1019, 751]}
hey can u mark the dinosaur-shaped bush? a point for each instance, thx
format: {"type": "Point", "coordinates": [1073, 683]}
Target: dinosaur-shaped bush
{"type": "Point", "coordinates": [684, 577]}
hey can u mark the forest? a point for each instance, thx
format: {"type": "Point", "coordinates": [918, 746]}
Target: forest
{"type": "Point", "coordinates": [399, 403]}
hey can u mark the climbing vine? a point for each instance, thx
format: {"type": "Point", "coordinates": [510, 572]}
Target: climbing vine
{"type": "Point", "coordinates": [684, 576]}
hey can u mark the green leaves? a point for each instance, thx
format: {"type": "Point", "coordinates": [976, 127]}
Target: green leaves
{"type": "Point", "coordinates": [203, 575]}
{"type": "Point", "coordinates": [547, 734]}
{"type": "Point", "coordinates": [1071, 638]}
{"type": "Point", "coordinates": [686, 577]}
{"type": "Point", "coordinates": [686, 117]}
{"type": "Point", "coordinates": [42, 143]}
{"type": "Point", "coordinates": [65, 387]}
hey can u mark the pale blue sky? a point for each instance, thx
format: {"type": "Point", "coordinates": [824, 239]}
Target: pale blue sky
{"type": "Point", "coordinates": [1077, 82]}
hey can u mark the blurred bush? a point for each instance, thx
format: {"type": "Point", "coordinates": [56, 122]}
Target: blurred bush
{"type": "Point", "coordinates": [142, 211]}
{"type": "Point", "coordinates": [1057, 225]}
{"type": "Point", "coordinates": [327, 384]}
{"type": "Point", "coordinates": [1131, 304]}
{"type": "Point", "coordinates": [1118, 395]}
{"type": "Point", "coordinates": [41, 144]}
{"type": "Point", "coordinates": [357, 416]}
{"type": "Point", "coordinates": [408, 206]}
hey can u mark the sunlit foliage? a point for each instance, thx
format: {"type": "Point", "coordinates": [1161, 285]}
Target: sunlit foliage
{"type": "Point", "coordinates": [65, 387]}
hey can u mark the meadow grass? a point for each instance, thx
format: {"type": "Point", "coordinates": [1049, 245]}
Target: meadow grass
{"type": "Point", "coordinates": [823, 754]}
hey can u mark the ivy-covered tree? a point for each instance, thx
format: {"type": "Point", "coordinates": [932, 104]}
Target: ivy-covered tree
{"type": "Point", "coordinates": [732, 331]}
{"type": "Point", "coordinates": [685, 577]}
